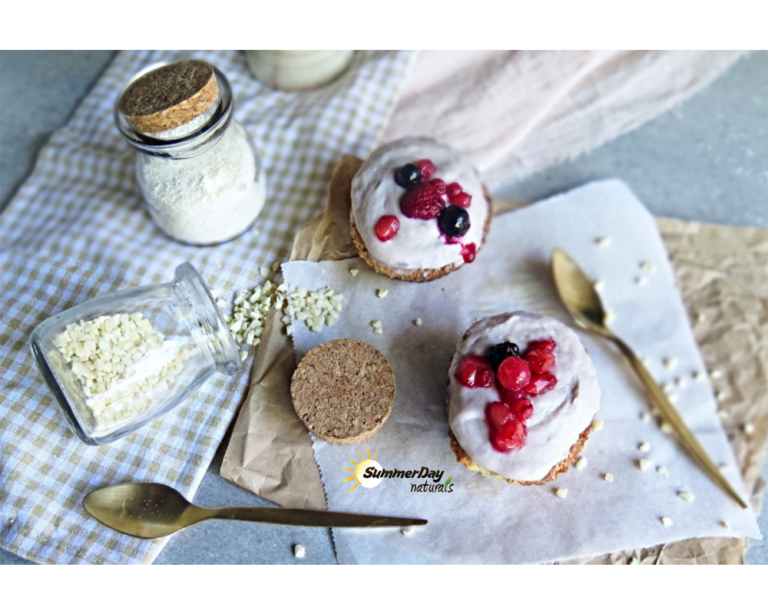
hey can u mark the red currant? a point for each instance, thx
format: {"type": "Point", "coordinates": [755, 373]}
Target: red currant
{"type": "Point", "coordinates": [474, 372]}
{"type": "Point", "coordinates": [514, 373]}
{"type": "Point", "coordinates": [540, 361]}
{"type": "Point", "coordinates": [462, 199]}
{"type": "Point", "coordinates": [510, 436]}
{"type": "Point", "coordinates": [387, 227]}
{"type": "Point", "coordinates": [497, 413]}
{"type": "Point", "coordinates": [522, 409]}
{"type": "Point", "coordinates": [454, 189]}
{"type": "Point", "coordinates": [540, 384]}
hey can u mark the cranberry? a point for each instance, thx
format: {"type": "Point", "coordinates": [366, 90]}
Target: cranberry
{"type": "Point", "coordinates": [540, 384]}
{"type": "Point", "coordinates": [474, 372]}
{"type": "Point", "coordinates": [522, 409]}
{"type": "Point", "coordinates": [468, 252]}
{"type": "Point", "coordinates": [513, 373]}
{"type": "Point", "coordinates": [540, 361]}
{"type": "Point", "coordinates": [510, 436]}
{"type": "Point", "coordinates": [497, 413]}
{"type": "Point", "coordinates": [427, 167]}
{"type": "Point", "coordinates": [387, 227]}
{"type": "Point", "coordinates": [461, 199]}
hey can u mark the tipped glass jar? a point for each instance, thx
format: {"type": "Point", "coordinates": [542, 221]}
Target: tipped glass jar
{"type": "Point", "coordinates": [117, 362]}
{"type": "Point", "coordinates": [197, 169]}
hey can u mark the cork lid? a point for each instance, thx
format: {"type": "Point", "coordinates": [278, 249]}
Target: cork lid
{"type": "Point", "coordinates": [343, 391]}
{"type": "Point", "coordinates": [170, 96]}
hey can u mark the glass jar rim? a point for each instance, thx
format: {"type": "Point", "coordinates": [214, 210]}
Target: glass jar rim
{"type": "Point", "coordinates": [198, 140]}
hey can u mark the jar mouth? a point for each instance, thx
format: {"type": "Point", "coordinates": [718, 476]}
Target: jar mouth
{"type": "Point", "coordinates": [210, 319]}
{"type": "Point", "coordinates": [197, 141]}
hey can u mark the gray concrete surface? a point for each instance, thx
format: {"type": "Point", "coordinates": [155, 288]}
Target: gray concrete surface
{"type": "Point", "coordinates": [707, 160]}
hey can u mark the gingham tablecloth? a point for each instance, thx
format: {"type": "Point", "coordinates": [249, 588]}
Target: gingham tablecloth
{"type": "Point", "coordinates": [77, 230]}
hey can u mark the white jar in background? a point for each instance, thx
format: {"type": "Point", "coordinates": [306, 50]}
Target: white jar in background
{"type": "Point", "coordinates": [298, 70]}
{"type": "Point", "coordinates": [197, 169]}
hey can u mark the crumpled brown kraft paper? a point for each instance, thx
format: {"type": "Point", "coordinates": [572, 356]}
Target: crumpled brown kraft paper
{"type": "Point", "coordinates": [722, 272]}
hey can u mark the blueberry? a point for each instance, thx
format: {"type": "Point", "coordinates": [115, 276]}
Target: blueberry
{"type": "Point", "coordinates": [408, 176]}
{"type": "Point", "coordinates": [454, 221]}
{"type": "Point", "coordinates": [498, 353]}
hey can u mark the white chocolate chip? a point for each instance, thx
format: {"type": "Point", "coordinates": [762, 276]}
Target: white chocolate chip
{"type": "Point", "coordinates": [599, 285]}
{"type": "Point", "coordinates": [701, 317]}
{"type": "Point", "coordinates": [686, 496]}
{"type": "Point", "coordinates": [417, 321]}
{"type": "Point", "coordinates": [672, 397]}
{"type": "Point", "coordinates": [640, 280]}
{"type": "Point", "coordinates": [634, 561]}
{"type": "Point", "coordinates": [662, 470]}
{"type": "Point", "coordinates": [243, 355]}
{"type": "Point", "coordinates": [667, 522]}
{"type": "Point", "coordinates": [645, 416]}
{"type": "Point", "coordinates": [264, 271]}
{"type": "Point", "coordinates": [716, 373]}
{"type": "Point", "coordinates": [382, 293]}
{"type": "Point", "coordinates": [353, 272]}
{"type": "Point", "coordinates": [299, 551]}
{"type": "Point", "coordinates": [680, 382]}
{"type": "Point", "coordinates": [666, 428]}
{"type": "Point", "coordinates": [721, 395]}
{"type": "Point", "coordinates": [670, 362]}
{"type": "Point", "coordinates": [562, 492]}
{"type": "Point", "coordinates": [725, 525]}
{"type": "Point", "coordinates": [648, 266]}
{"type": "Point", "coordinates": [643, 464]}
{"type": "Point", "coordinates": [406, 530]}
{"type": "Point", "coordinates": [698, 376]}
{"type": "Point", "coordinates": [749, 428]}
{"type": "Point", "coordinates": [581, 463]}
{"type": "Point", "coordinates": [597, 425]}
{"type": "Point", "coordinates": [608, 477]}
{"type": "Point", "coordinates": [603, 241]}
{"type": "Point", "coordinates": [644, 447]}
{"type": "Point", "coordinates": [609, 316]}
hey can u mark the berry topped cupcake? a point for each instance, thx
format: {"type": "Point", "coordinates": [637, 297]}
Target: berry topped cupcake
{"type": "Point", "coordinates": [419, 210]}
{"type": "Point", "coordinates": [522, 394]}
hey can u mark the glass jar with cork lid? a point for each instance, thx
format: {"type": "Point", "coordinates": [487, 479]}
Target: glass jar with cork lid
{"type": "Point", "coordinates": [197, 169]}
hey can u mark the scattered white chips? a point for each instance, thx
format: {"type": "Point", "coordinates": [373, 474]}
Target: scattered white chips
{"type": "Point", "coordinates": [562, 492]}
{"type": "Point", "coordinates": [667, 522]}
{"type": "Point", "coordinates": [299, 551]}
{"type": "Point", "coordinates": [686, 496]}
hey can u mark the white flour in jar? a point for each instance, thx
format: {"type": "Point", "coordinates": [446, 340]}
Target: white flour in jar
{"type": "Point", "coordinates": [208, 198]}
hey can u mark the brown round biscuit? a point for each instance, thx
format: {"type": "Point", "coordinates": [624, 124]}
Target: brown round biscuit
{"type": "Point", "coordinates": [170, 96]}
{"type": "Point", "coordinates": [416, 274]}
{"type": "Point", "coordinates": [343, 391]}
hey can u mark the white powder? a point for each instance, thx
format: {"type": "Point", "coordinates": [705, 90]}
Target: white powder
{"type": "Point", "coordinates": [208, 198]}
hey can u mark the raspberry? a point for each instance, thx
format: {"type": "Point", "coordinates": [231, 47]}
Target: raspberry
{"type": "Point", "coordinates": [497, 413]}
{"type": "Point", "coordinates": [541, 344]}
{"type": "Point", "coordinates": [423, 201]}
{"type": "Point", "coordinates": [513, 373]}
{"type": "Point", "coordinates": [468, 252]}
{"type": "Point", "coordinates": [522, 409]}
{"type": "Point", "coordinates": [540, 361]}
{"type": "Point", "coordinates": [387, 227]}
{"type": "Point", "coordinates": [427, 167]}
{"type": "Point", "coordinates": [510, 436]}
{"type": "Point", "coordinates": [540, 384]}
{"type": "Point", "coordinates": [439, 185]}
{"type": "Point", "coordinates": [454, 189]}
{"type": "Point", "coordinates": [462, 199]}
{"type": "Point", "coordinates": [474, 372]}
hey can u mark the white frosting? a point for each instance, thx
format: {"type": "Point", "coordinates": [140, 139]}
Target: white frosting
{"type": "Point", "coordinates": [419, 244]}
{"type": "Point", "coordinates": [559, 415]}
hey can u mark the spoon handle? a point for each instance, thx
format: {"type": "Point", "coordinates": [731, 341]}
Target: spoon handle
{"type": "Point", "coordinates": [311, 518]}
{"type": "Point", "coordinates": [671, 415]}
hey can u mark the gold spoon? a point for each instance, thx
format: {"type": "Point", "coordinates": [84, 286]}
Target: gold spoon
{"type": "Point", "coordinates": [579, 297]}
{"type": "Point", "coordinates": [149, 510]}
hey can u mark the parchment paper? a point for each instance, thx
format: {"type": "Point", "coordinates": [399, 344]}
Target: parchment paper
{"type": "Point", "coordinates": [270, 452]}
{"type": "Point", "coordinates": [486, 520]}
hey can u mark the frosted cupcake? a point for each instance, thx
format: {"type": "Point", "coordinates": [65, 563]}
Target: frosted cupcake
{"type": "Point", "coordinates": [419, 210]}
{"type": "Point", "coordinates": [522, 394]}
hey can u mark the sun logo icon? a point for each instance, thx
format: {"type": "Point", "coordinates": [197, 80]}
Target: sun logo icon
{"type": "Point", "coordinates": [359, 468]}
